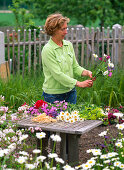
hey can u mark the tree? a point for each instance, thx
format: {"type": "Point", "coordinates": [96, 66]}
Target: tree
{"type": "Point", "coordinates": [85, 12]}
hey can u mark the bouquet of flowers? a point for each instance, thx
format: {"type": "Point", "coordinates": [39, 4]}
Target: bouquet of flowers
{"type": "Point", "coordinates": [104, 67]}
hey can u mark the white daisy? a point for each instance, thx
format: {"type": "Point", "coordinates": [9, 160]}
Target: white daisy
{"type": "Point", "coordinates": [41, 158]}
{"type": "Point", "coordinates": [36, 151]}
{"type": "Point", "coordinates": [55, 138]}
{"type": "Point", "coordinates": [52, 155]}
{"type": "Point", "coordinates": [40, 135]}
{"type": "Point", "coordinates": [120, 126]}
{"type": "Point", "coordinates": [30, 166]}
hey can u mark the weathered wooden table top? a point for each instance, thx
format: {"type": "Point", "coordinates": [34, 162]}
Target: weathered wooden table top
{"type": "Point", "coordinates": [78, 127]}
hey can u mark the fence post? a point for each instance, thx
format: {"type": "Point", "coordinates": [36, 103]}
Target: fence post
{"type": "Point", "coordinates": [4, 67]}
{"type": "Point", "coordinates": [2, 48]}
{"type": "Point", "coordinates": [116, 27]}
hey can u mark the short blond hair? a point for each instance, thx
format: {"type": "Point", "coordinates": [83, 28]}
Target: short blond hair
{"type": "Point", "coordinates": [54, 22]}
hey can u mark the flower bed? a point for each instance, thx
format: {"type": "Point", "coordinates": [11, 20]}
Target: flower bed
{"type": "Point", "coordinates": [15, 153]}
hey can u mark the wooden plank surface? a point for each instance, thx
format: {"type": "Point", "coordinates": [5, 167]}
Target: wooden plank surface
{"type": "Point", "coordinates": [78, 127]}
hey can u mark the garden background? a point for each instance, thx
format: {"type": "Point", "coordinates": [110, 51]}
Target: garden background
{"type": "Point", "coordinates": [107, 92]}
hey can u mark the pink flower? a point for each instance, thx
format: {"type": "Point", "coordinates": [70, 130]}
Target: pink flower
{"type": "Point", "coordinates": [110, 74]}
{"type": "Point", "coordinates": [107, 57]}
{"type": "Point", "coordinates": [100, 58]}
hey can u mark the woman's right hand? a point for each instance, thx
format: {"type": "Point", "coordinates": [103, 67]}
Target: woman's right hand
{"type": "Point", "coordinates": [86, 83]}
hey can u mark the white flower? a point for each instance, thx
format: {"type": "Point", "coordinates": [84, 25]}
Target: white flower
{"type": "Point", "coordinates": [122, 166]}
{"type": "Point", "coordinates": [81, 119]}
{"type": "Point", "coordinates": [86, 166]}
{"type": "Point", "coordinates": [118, 114]}
{"type": "Point", "coordinates": [110, 64]}
{"type": "Point", "coordinates": [60, 160]}
{"type": "Point", "coordinates": [96, 152]}
{"type": "Point", "coordinates": [95, 55]}
{"type": "Point", "coordinates": [103, 133]}
{"type": "Point", "coordinates": [105, 156]}
{"type": "Point", "coordinates": [52, 155]}
{"type": "Point", "coordinates": [105, 73]}
{"type": "Point", "coordinates": [12, 146]}
{"type": "Point", "coordinates": [71, 120]}
{"type": "Point", "coordinates": [119, 144]}
{"type": "Point", "coordinates": [47, 165]}
{"type": "Point", "coordinates": [107, 161]}
{"type": "Point", "coordinates": [112, 154]}
{"type": "Point", "coordinates": [36, 151]}
{"type": "Point", "coordinates": [53, 168]}
{"type": "Point", "coordinates": [30, 166]}
{"type": "Point", "coordinates": [21, 159]}
{"type": "Point", "coordinates": [120, 126]}
{"type": "Point", "coordinates": [41, 158]}
{"type": "Point", "coordinates": [75, 112]}
{"type": "Point", "coordinates": [23, 153]}
{"type": "Point", "coordinates": [91, 162]}
{"type": "Point", "coordinates": [89, 150]}
{"type": "Point", "coordinates": [55, 138]}
{"type": "Point", "coordinates": [105, 55]}
{"type": "Point", "coordinates": [6, 151]}
{"type": "Point", "coordinates": [107, 109]}
{"type": "Point", "coordinates": [67, 167]}
{"type": "Point", "coordinates": [117, 163]}
{"type": "Point", "coordinates": [40, 135]}
{"type": "Point", "coordinates": [1, 153]}
{"type": "Point", "coordinates": [67, 114]}
{"type": "Point", "coordinates": [23, 137]}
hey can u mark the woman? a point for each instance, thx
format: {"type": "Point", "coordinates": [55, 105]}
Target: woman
{"type": "Point", "coordinates": [59, 63]}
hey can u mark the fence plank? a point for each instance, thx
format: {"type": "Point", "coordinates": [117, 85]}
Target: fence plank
{"type": "Point", "coordinates": [40, 48]}
{"type": "Point", "coordinates": [72, 35]}
{"type": "Point", "coordinates": [35, 59]}
{"type": "Point", "coordinates": [29, 52]}
{"type": "Point", "coordinates": [76, 47]}
{"type": "Point", "coordinates": [13, 51]}
{"type": "Point", "coordinates": [102, 41]}
{"type": "Point", "coordinates": [119, 46]}
{"type": "Point", "coordinates": [92, 44]}
{"type": "Point", "coordinates": [98, 37]}
{"type": "Point", "coordinates": [108, 32]}
{"type": "Point", "coordinates": [87, 44]}
{"type": "Point", "coordinates": [23, 66]}
{"type": "Point", "coordinates": [8, 48]}
{"type": "Point", "coordinates": [18, 62]}
{"type": "Point", "coordinates": [113, 46]}
{"type": "Point", "coordinates": [82, 49]}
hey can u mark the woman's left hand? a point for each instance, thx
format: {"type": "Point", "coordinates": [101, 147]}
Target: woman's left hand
{"type": "Point", "coordinates": [87, 73]}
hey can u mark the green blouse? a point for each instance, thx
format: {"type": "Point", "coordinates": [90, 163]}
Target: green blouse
{"type": "Point", "coordinates": [59, 67]}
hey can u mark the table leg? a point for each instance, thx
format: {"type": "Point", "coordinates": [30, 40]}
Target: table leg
{"type": "Point", "coordinates": [63, 151]}
{"type": "Point", "coordinates": [73, 149]}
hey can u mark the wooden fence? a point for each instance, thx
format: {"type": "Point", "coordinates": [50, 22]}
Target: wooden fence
{"type": "Point", "coordinates": [23, 48]}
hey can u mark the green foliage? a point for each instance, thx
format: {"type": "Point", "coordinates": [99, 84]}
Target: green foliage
{"type": "Point", "coordinates": [22, 16]}
{"type": "Point", "coordinates": [105, 91]}
{"type": "Point", "coordinates": [19, 90]}
{"type": "Point", "coordinates": [85, 12]}
{"type": "Point", "coordinates": [88, 111]}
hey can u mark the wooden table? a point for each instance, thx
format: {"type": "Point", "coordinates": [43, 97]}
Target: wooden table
{"type": "Point", "coordinates": [69, 132]}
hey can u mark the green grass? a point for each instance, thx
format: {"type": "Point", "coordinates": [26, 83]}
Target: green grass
{"type": "Point", "coordinates": [18, 90]}
{"type": "Point", "coordinates": [104, 92]}
{"type": "Point", "coordinates": [7, 19]}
